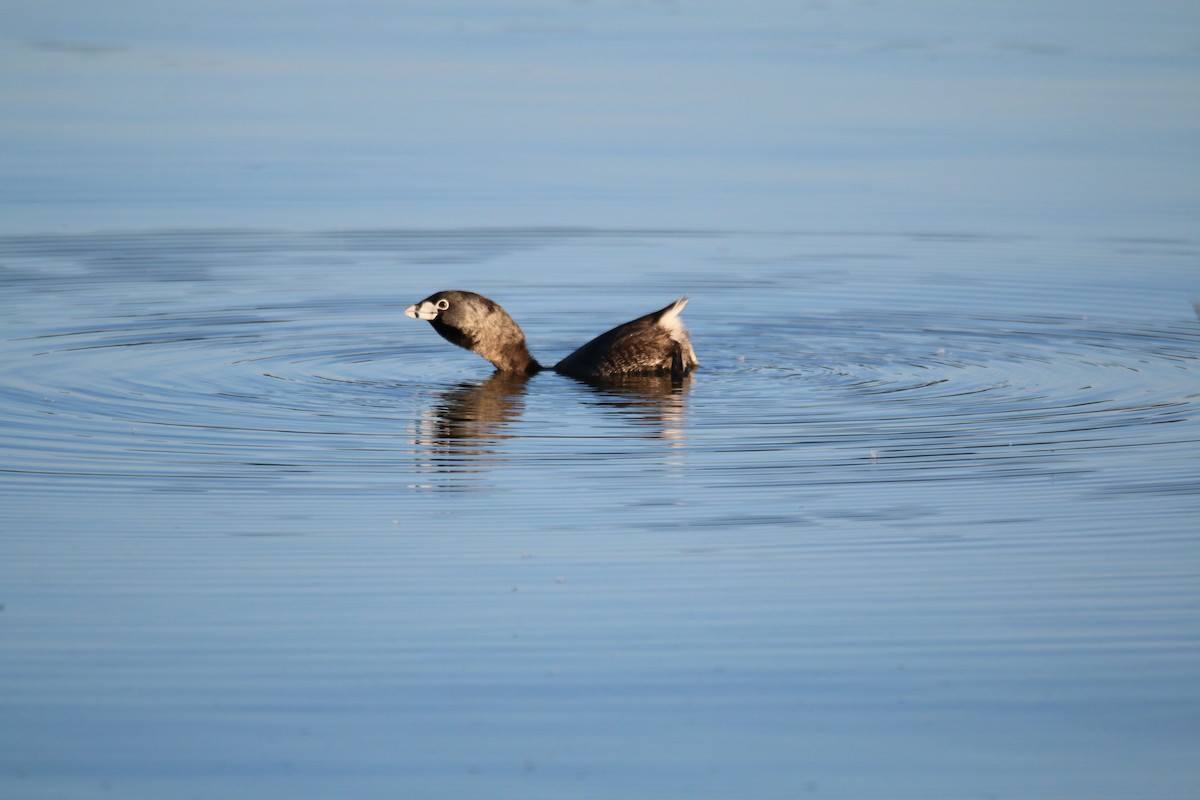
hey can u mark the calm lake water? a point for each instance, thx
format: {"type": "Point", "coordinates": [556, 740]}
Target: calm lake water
{"type": "Point", "coordinates": [263, 535]}
{"type": "Point", "coordinates": [923, 525]}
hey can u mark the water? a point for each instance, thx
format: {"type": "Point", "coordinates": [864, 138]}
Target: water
{"type": "Point", "coordinates": [1019, 118]}
{"type": "Point", "coordinates": [919, 531]}
{"type": "Point", "coordinates": [923, 525]}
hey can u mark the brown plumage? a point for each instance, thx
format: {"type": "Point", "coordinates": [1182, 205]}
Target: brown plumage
{"type": "Point", "coordinates": [654, 344]}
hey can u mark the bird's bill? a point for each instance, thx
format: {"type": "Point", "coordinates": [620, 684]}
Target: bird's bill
{"type": "Point", "coordinates": [425, 310]}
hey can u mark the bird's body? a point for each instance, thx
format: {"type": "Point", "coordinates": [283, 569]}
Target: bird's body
{"type": "Point", "coordinates": [656, 343]}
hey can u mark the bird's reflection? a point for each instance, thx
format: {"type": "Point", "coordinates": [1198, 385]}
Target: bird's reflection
{"type": "Point", "coordinates": [470, 417]}
{"type": "Point", "coordinates": [655, 402]}
{"type": "Point", "coordinates": [463, 428]}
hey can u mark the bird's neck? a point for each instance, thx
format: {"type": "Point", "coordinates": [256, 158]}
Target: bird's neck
{"type": "Point", "coordinates": [510, 355]}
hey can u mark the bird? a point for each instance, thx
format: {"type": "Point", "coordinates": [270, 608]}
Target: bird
{"type": "Point", "coordinates": [654, 344]}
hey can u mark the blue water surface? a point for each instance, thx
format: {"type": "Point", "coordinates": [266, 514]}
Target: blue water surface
{"type": "Point", "coordinates": [923, 525]}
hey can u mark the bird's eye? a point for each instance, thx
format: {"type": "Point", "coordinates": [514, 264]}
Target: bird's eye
{"type": "Point", "coordinates": [443, 304]}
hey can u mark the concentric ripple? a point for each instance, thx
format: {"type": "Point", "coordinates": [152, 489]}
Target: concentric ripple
{"type": "Point", "coordinates": [206, 380]}
{"type": "Point", "coordinates": [230, 395]}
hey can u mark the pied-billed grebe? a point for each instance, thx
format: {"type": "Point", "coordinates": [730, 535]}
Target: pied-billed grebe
{"type": "Point", "coordinates": [654, 344]}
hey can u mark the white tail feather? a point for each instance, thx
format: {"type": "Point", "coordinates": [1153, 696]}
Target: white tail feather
{"type": "Point", "coordinates": [670, 320]}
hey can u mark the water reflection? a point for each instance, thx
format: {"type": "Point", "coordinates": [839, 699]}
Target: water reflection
{"type": "Point", "coordinates": [462, 429]}
{"type": "Point", "coordinates": [656, 402]}
{"type": "Point", "coordinates": [469, 419]}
